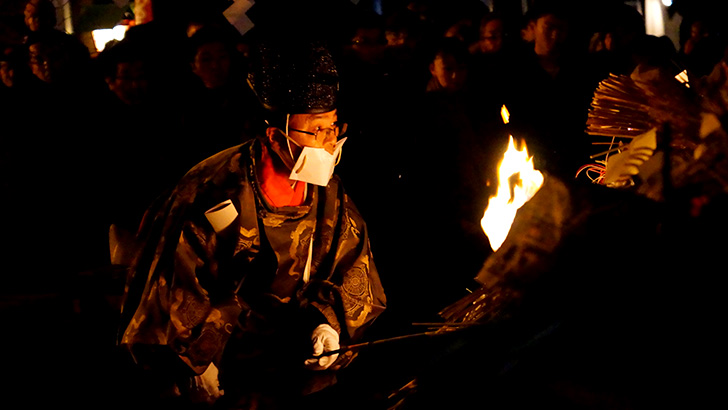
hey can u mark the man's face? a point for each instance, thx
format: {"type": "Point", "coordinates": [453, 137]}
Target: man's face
{"type": "Point", "coordinates": [449, 72]}
{"type": "Point", "coordinates": [324, 126]}
{"type": "Point", "coordinates": [368, 44]}
{"type": "Point", "coordinates": [549, 34]}
{"type": "Point", "coordinates": [6, 73]}
{"type": "Point", "coordinates": [48, 62]}
{"type": "Point", "coordinates": [491, 36]}
{"type": "Point", "coordinates": [395, 38]}
{"type": "Point", "coordinates": [34, 16]}
{"type": "Point", "coordinates": [30, 16]}
{"type": "Point", "coordinates": [212, 64]}
{"type": "Point", "coordinates": [130, 84]}
{"type": "Point", "coordinates": [527, 32]}
{"type": "Point", "coordinates": [697, 30]}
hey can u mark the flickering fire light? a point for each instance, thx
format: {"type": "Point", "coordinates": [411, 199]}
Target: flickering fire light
{"type": "Point", "coordinates": [505, 114]}
{"type": "Point", "coordinates": [683, 78]}
{"type": "Point", "coordinates": [518, 182]}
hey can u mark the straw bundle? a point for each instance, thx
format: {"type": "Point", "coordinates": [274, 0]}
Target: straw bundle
{"type": "Point", "coordinates": [625, 108]}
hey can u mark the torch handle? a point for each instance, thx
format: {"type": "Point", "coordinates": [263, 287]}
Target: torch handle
{"type": "Point", "coordinates": [356, 346]}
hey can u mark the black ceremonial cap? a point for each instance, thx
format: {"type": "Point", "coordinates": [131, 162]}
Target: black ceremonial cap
{"type": "Point", "coordinates": [294, 77]}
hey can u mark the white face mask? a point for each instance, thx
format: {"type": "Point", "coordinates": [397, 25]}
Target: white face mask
{"type": "Point", "coordinates": [316, 165]}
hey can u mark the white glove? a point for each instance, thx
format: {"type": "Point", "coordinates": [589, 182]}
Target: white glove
{"type": "Point", "coordinates": [324, 339]}
{"type": "Point", "coordinates": [207, 382]}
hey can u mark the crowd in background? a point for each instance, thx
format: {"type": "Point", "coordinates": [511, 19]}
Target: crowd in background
{"type": "Point", "coordinates": [421, 88]}
{"type": "Point", "coordinates": [92, 139]}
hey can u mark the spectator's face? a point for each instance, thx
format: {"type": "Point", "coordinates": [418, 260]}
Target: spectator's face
{"type": "Point", "coordinates": [130, 85]}
{"type": "Point", "coordinates": [449, 72]}
{"type": "Point", "coordinates": [47, 62]}
{"type": "Point", "coordinates": [6, 73]}
{"type": "Point", "coordinates": [31, 17]}
{"type": "Point", "coordinates": [323, 125]}
{"type": "Point", "coordinates": [368, 44]}
{"type": "Point", "coordinates": [35, 19]}
{"type": "Point", "coordinates": [527, 32]}
{"type": "Point", "coordinates": [609, 43]}
{"type": "Point", "coordinates": [212, 64]}
{"type": "Point", "coordinates": [491, 36]}
{"type": "Point", "coordinates": [697, 30]}
{"type": "Point", "coordinates": [395, 38]}
{"type": "Point", "coordinates": [549, 34]}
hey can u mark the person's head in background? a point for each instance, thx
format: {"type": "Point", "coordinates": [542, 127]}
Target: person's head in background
{"type": "Point", "coordinates": [528, 24]}
{"type": "Point", "coordinates": [703, 44]}
{"type": "Point", "coordinates": [700, 29]}
{"type": "Point", "coordinates": [13, 70]}
{"type": "Point", "coordinates": [449, 65]}
{"type": "Point", "coordinates": [465, 28]}
{"type": "Point", "coordinates": [550, 29]}
{"type": "Point", "coordinates": [625, 28]}
{"type": "Point", "coordinates": [127, 72]}
{"type": "Point", "coordinates": [39, 15]}
{"type": "Point", "coordinates": [402, 30]}
{"type": "Point", "coordinates": [367, 41]}
{"type": "Point", "coordinates": [212, 57]}
{"type": "Point", "coordinates": [54, 58]}
{"type": "Point", "coordinates": [492, 33]}
{"type": "Point", "coordinates": [655, 59]}
{"type": "Point", "coordinates": [615, 39]}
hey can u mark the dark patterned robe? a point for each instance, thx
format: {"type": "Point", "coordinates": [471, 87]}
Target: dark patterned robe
{"type": "Point", "coordinates": [191, 289]}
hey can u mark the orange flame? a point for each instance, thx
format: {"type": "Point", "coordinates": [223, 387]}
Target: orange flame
{"type": "Point", "coordinates": [517, 183]}
{"type": "Point", "coordinates": [505, 115]}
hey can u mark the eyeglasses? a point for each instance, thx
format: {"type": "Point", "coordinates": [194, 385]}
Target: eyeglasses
{"type": "Point", "coordinates": [323, 134]}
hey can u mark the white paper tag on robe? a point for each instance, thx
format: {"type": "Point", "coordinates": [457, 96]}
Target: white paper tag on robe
{"type": "Point", "coordinates": [221, 215]}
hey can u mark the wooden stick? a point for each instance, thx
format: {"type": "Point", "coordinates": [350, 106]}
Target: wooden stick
{"type": "Point", "coordinates": [444, 324]}
{"type": "Point", "coordinates": [392, 339]}
{"type": "Point", "coordinates": [606, 152]}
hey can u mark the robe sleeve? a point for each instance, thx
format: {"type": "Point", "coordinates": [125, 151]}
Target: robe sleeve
{"type": "Point", "coordinates": [202, 312]}
{"type": "Point", "coordinates": [358, 297]}
{"type": "Point", "coordinates": [183, 310]}
{"type": "Point", "coordinates": [183, 306]}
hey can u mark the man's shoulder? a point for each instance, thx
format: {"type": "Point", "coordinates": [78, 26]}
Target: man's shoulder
{"type": "Point", "coordinates": [221, 171]}
{"type": "Point", "coordinates": [335, 189]}
{"type": "Point", "coordinates": [229, 156]}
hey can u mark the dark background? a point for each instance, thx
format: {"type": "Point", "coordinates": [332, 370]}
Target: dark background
{"type": "Point", "coordinates": [59, 329]}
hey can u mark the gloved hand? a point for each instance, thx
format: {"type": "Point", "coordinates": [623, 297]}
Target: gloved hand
{"type": "Point", "coordinates": [324, 339]}
{"type": "Point", "coordinates": [206, 387]}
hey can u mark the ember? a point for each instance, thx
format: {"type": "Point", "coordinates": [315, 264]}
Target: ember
{"type": "Point", "coordinates": [517, 183]}
{"type": "Point", "coordinates": [505, 114]}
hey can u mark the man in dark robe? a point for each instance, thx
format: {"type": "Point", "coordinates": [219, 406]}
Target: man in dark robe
{"type": "Point", "coordinates": [258, 262]}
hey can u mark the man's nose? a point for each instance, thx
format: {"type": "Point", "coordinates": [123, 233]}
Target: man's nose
{"type": "Point", "coordinates": [330, 145]}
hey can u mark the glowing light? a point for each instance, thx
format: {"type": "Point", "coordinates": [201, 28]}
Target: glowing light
{"type": "Point", "coordinates": [517, 183]}
{"type": "Point", "coordinates": [104, 35]}
{"type": "Point", "coordinates": [683, 78]}
{"type": "Point", "coordinates": [505, 114]}
{"type": "Point", "coordinates": [667, 3]}
{"type": "Point", "coordinates": [654, 18]}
